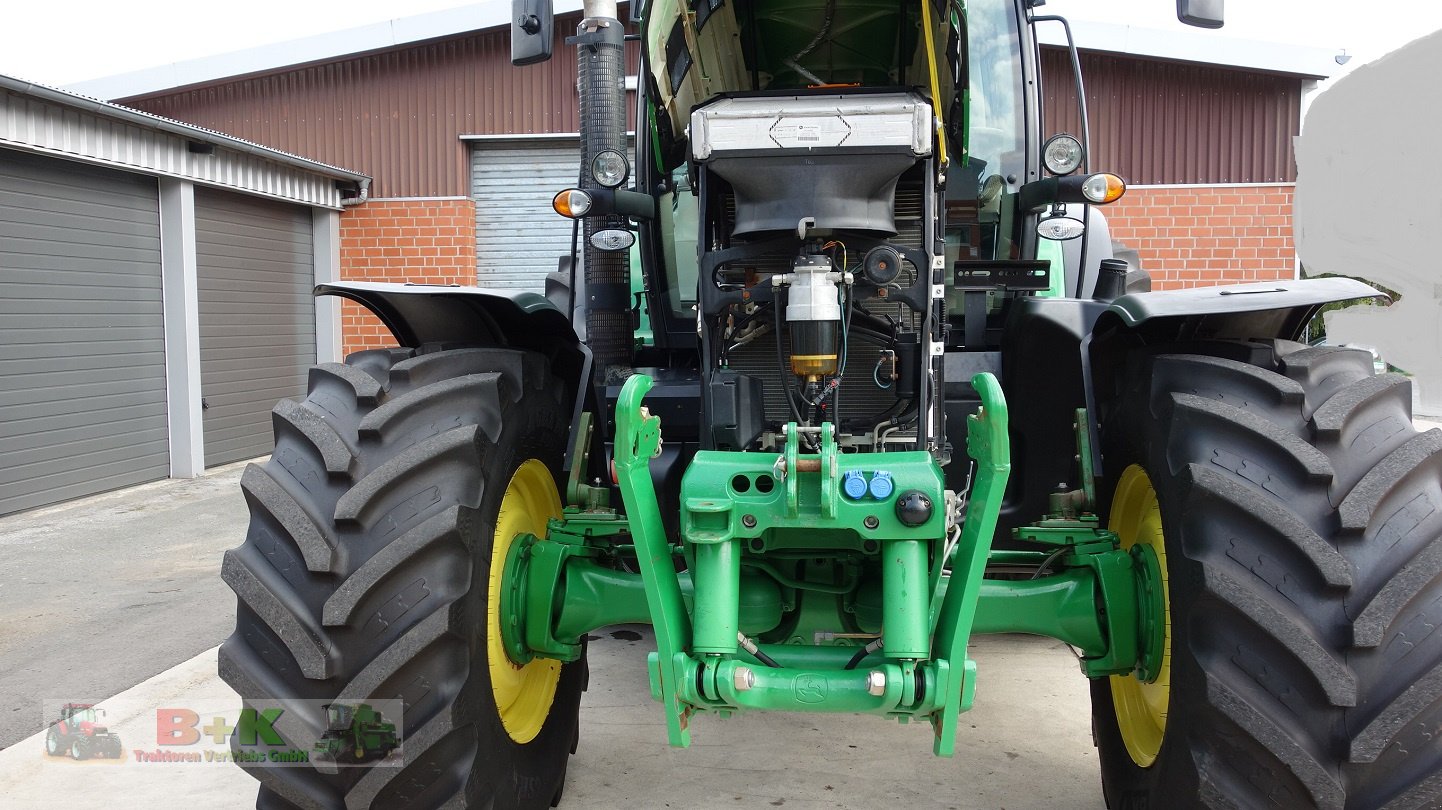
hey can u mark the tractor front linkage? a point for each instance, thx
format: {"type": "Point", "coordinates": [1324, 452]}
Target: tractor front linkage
{"type": "Point", "coordinates": [880, 568]}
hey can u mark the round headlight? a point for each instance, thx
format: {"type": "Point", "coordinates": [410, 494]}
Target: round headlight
{"type": "Point", "coordinates": [609, 168]}
{"type": "Point", "coordinates": [1103, 188]}
{"type": "Point", "coordinates": [1062, 154]}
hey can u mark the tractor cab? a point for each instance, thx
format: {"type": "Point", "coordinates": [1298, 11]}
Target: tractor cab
{"type": "Point", "coordinates": [338, 716]}
{"type": "Point", "coordinates": [77, 713]}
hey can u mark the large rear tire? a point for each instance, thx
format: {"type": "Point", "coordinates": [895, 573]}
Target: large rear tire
{"type": "Point", "coordinates": [1300, 514]}
{"type": "Point", "coordinates": [367, 575]}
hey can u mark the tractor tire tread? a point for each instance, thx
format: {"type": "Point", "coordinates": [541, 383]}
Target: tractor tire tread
{"type": "Point", "coordinates": [335, 454]}
{"type": "Point", "coordinates": [265, 495]}
{"type": "Point", "coordinates": [386, 606]}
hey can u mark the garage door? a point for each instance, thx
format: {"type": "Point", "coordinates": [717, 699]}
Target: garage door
{"type": "Point", "coordinates": [518, 235]}
{"type": "Point", "coordinates": [255, 259]}
{"type": "Point", "coordinates": [82, 336]}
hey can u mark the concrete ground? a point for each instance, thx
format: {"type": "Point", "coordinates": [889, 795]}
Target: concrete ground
{"type": "Point", "coordinates": [98, 594]}
{"type": "Point", "coordinates": [1027, 744]}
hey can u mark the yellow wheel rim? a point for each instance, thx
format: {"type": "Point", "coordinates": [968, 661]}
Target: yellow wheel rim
{"type": "Point", "coordinates": [1142, 707]}
{"type": "Point", "coordinates": [523, 693]}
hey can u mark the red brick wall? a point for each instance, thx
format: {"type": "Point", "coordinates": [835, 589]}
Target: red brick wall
{"type": "Point", "coordinates": [1188, 236]}
{"type": "Point", "coordinates": [422, 240]}
{"type": "Point", "coordinates": [1195, 236]}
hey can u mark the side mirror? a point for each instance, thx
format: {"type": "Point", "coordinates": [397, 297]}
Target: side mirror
{"type": "Point", "coordinates": [1201, 13]}
{"type": "Point", "coordinates": [531, 31]}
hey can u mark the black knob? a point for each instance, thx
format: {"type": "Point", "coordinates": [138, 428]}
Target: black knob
{"type": "Point", "coordinates": [529, 23]}
{"type": "Point", "coordinates": [913, 508]}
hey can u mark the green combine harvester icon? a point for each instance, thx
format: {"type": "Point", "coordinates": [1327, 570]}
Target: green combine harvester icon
{"type": "Point", "coordinates": [356, 734]}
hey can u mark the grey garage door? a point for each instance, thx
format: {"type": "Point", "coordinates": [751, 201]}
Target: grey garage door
{"type": "Point", "coordinates": [257, 317]}
{"type": "Point", "coordinates": [82, 335]}
{"type": "Point", "coordinates": [518, 236]}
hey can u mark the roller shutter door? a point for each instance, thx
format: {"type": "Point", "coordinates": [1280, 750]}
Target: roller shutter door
{"type": "Point", "coordinates": [254, 259]}
{"type": "Point", "coordinates": [518, 235]}
{"type": "Point", "coordinates": [82, 333]}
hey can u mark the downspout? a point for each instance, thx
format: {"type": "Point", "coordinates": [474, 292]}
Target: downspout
{"type": "Point", "coordinates": [359, 199]}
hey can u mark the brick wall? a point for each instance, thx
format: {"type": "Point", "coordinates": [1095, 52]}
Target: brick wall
{"type": "Point", "coordinates": [430, 241]}
{"type": "Point", "coordinates": [1188, 236]}
{"type": "Point", "coordinates": [1194, 236]}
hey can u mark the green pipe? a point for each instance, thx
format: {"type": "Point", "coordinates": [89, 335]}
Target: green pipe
{"type": "Point", "coordinates": [594, 596]}
{"type": "Point", "coordinates": [715, 620]}
{"type": "Point", "coordinates": [1062, 606]}
{"type": "Point", "coordinates": [905, 596]}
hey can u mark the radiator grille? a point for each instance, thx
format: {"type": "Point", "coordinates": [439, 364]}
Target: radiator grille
{"type": "Point", "coordinates": [860, 396]}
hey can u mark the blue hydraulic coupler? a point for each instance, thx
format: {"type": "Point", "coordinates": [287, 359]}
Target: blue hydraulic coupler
{"type": "Point", "coordinates": [881, 485]}
{"type": "Point", "coordinates": [853, 483]}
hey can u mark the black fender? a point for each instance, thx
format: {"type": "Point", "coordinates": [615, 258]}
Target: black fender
{"type": "Point", "coordinates": [419, 314]}
{"type": "Point", "coordinates": [1062, 354]}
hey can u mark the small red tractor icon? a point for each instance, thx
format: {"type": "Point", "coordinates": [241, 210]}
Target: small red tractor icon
{"type": "Point", "coordinates": [79, 733]}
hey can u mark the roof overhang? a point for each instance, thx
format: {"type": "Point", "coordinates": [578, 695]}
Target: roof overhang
{"type": "Point", "coordinates": [47, 120]}
{"type": "Point", "coordinates": [1205, 47]}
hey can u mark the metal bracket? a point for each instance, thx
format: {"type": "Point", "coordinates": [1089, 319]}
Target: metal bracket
{"type": "Point", "coordinates": [988, 445]}
{"type": "Point", "coordinates": [638, 439]}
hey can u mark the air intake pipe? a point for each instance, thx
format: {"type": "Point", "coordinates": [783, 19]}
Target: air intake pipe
{"type": "Point", "coordinates": [600, 46]}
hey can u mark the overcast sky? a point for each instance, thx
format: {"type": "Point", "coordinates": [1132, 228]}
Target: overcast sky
{"type": "Point", "coordinates": [63, 42]}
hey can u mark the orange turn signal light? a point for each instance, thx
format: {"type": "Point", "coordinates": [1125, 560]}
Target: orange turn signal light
{"type": "Point", "coordinates": [1103, 188]}
{"type": "Point", "coordinates": [571, 203]}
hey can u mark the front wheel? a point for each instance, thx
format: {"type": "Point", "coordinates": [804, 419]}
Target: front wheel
{"type": "Point", "coordinates": [372, 568]}
{"type": "Point", "coordinates": [1297, 516]}
{"type": "Point", "coordinates": [78, 750]}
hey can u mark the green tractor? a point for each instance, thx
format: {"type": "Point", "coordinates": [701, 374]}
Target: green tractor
{"type": "Point", "coordinates": [907, 396]}
{"type": "Point", "coordinates": [354, 734]}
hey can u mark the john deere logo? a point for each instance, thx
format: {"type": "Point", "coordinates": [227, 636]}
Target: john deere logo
{"type": "Point", "coordinates": [809, 688]}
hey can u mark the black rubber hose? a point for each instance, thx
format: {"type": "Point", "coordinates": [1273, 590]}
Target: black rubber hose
{"type": "Point", "coordinates": [862, 653]}
{"type": "Point", "coordinates": [766, 659]}
{"type": "Point", "coordinates": [601, 65]}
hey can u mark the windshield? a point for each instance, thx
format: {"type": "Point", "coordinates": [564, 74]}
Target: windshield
{"type": "Point", "coordinates": [981, 191]}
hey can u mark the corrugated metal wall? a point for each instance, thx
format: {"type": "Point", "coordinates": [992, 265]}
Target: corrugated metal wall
{"type": "Point", "coordinates": [396, 115]}
{"type": "Point", "coordinates": [1160, 122]}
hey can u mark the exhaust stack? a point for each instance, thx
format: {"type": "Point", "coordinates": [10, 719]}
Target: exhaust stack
{"type": "Point", "coordinates": [600, 50]}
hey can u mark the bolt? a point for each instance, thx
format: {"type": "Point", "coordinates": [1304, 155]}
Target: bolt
{"type": "Point", "coordinates": [876, 683]}
{"type": "Point", "coordinates": [749, 521]}
{"type": "Point", "coordinates": [743, 679]}
{"type": "Point", "coordinates": [871, 522]}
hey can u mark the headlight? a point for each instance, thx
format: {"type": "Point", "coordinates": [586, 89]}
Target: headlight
{"type": "Point", "coordinates": [1062, 154]}
{"type": "Point", "coordinates": [609, 168]}
{"type": "Point", "coordinates": [613, 239]}
{"type": "Point", "coordinates": [1060, 228]}
{"type": "Point", "coordinates": [572, 203]}
{"type": "Point", "coordinates": [1103, 188]}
